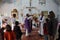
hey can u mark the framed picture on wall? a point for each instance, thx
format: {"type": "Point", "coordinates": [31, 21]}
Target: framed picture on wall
{"type": "Point", "coordinates": [45, 14]}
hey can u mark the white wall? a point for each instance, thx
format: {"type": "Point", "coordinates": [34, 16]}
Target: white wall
{"type": "Point", "coordinates": [59, 13]}
{"type": "Point", "coordinates": [50, 5]}
{"type": "Point", "coordinates": [20, 4]}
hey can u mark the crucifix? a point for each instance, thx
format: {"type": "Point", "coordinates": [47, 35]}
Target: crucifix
{"type": "Point", "coordinates": [30, 7]}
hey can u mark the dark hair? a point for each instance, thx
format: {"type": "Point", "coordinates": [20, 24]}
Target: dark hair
{"type": "Point", "coordinates": [47, 20]}
{"type": "Point", "coordinates": [5, 19]}
{"type": "Point", "coordinates": [42, 13]}
{"type": "Point", "coordinates": [52, 15]}
{"type": "Point", "coordinates": [8, 28]}
{"type": "Point", "coordinates": [48, 16]}
{"type": "Point", "coordinates": [16, 23]}
{"type": "Point", "coordinates": [27, 15]}
{"type": "Point", "coordinates": [2, 28]}
{"type": "Point", "coordinates": [14, 15]}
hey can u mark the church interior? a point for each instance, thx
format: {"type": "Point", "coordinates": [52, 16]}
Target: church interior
{"type": "Point", "coordinates": [37, 19]}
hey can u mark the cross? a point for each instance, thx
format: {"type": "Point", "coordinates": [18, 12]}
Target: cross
{"type": "Point", "coordinates": [30, 2]}
{"type": "Point", "coordinates": [30, 6]}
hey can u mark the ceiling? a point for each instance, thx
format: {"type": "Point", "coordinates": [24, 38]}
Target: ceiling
{"type": "Point", "coordinates": [9, 1]}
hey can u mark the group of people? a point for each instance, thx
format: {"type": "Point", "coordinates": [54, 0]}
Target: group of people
{"type": "Point", "coordinates": [10, 34]}
{"type": "Point", "coordinates": [47, 27]}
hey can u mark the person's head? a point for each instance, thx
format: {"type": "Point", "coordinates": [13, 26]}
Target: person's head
{"type": "Point", "coordinates": [48, 16]}
{"type": "Point", "coordinates": [3, 22]}
{"type": "Point", "coordinates": [47, 20]}
{"type": "Point", "coordinates": [5, 19]}
{"type": "Point", "coordinates": [42, 14]}
{"type": "Point", "coordinates": [2, 28]}
{"type": "Point", "coordinates": [52, 15]}
{"type": "Point", "coordinates": [27, 15]}
{"type": "Point", "coordinates": [16, 23]}
{"type": "Point", "coordinates": [8, 28]}
{"type": "Point", "coordinates": [14, 15]}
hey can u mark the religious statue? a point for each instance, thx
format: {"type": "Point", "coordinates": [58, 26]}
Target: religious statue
{"type": "Point", "coordinates": [14, 17]}
{"type": "Point", "coordinates": [14, 13]}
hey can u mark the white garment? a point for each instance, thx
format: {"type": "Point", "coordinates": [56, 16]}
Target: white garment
{"type": "Point", "coordinates": [13, 20]}
{"type": "Point", "coordinates": [41, 31]}
{"type": "Point", "coordinates": [27, 32]}
{"type": "Point", "coordinates": [33, 22]}
{"type": "Point", "coordinates": [12, 26]}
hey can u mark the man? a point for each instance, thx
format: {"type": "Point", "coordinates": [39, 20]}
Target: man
{"type": "Point", "coordinates": [28, 24]}
{"type": "Point", "coordinates": [41, 21]}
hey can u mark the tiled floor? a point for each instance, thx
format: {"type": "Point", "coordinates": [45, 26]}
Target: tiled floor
{"type": "Point", "coordinates": [34, 36]}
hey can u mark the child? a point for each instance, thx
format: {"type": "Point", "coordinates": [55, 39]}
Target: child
{"type": "Point", "coordinates": [9, 34]}
{"type": "Point", "coordinates": [17, 31]}
{"type": "Point", "coordinates": [46, 30]}
{"type": "Point", "coordinates": [2, 33]}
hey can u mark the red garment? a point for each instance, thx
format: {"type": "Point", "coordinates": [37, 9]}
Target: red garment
{"type": "Point", "coordinates": [45, 29]}
{"type": "Point", "coordinates": [9, 35]}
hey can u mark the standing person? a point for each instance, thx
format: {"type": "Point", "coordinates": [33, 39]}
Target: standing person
{"type": "Point", "coordinates": [41, 21]}
{"type": "Point", "coordinates": [52, 27]}
{"type": "Point", "coordinates": [28, 25]}
{"type": "Point", "coordinates": [2, 33]}
{"type": "Point", "coordinates": [9, 34]}
{"type": "Point", "coordinates": [58, 33]}
{"type": "Point", "coordinates": [30, 21]}
{"type": "Point", "coordinates": [17, 31]}
{"type": "Point", "coordinates": [2, 30]}
{"type": "Point", "coordinates": [46, 29]}
{"type": "Point", "coordinates": [12, 23]}
{"type": "Point", "coordinates": [47, 26]}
